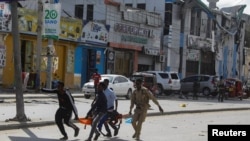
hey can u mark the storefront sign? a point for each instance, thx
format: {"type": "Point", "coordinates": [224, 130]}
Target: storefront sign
{"type": "Point", "coordinates": [5, 17]}
{"type": "Point", "coordinates": [70, 28]}
{"type": "Point", "coordinates": [95, 33]}
{"type": "Point", "coordinates": [193, 55]}
{"type": "Point", "coordinates": [51, 20]}
{"type": "Point", "coordinates": [27, 20]}
{"type": "Point", "coordinates": [133, 30]}
{"type": "Point", "coordinates": [199, 42]}
{"type": "Point", "coordinates": [134, 39]}
{"type": "Point", "coordinates": [151, 51]}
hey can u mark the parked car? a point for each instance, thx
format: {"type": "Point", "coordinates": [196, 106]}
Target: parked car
{"type": "Point", "coordinates": [168, 81]}
{"type": "Point", "coordinates": [149, 81]}
{"type": "Point", "coordinates": [208, 84]}
{"type": "Point", "coordinates": [120, 84]}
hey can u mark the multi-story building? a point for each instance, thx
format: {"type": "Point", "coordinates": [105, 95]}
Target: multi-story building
{"type": "Point", "coordinates": [126, 36]}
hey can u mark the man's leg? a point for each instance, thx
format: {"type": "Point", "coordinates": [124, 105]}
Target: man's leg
{"type": "Point", "coordinates": [94, 125]}
{"type": "Point", "coordinates": [107, 129]}
{"type": "Point", "coordinates": [70, 124]}
{"type": "Point", "coordinates": [134, 123]}
{"type": "Point", "coordinates": [102, 121]}
{"type": "Point", "coordinates": [141, 119]}
{"type": "Point", "coordinates": [58, 118]}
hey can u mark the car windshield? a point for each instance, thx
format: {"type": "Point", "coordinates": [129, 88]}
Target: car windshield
{"type": "Point", "coordinates": [164, 75]}
{"type": "Point", "coordinates": [110, 78]}
{"type": "Point", "coordinates": [135, 77]}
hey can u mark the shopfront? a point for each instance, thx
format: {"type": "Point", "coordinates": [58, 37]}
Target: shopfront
{"type": "Point", "coordinates": [91, 52]}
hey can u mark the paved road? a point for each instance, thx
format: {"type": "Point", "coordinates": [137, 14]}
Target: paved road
{"type": "Point", "coordinates": [40, 108]}
{"type": "Point", "coordinates": [181, 127]}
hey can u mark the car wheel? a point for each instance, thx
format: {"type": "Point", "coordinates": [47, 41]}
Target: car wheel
{"type": "Point", "coordinates": [129, 93]}
{"type": "Point", "coordinates": [183, 92]}
{"type": "Point", "coordinates": [206, 91]}
{"type": "Point", "coordinates": [167, 92]}
{"type": "Point", "coordinates": [214, 94]}
{"type": "Point", "coordinates": [160, 89]}
{"type": "Point", "coordinates": [87, 96]}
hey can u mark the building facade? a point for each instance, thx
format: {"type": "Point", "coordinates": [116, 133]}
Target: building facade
{"type": "Point", "coordinates": [62, 55]}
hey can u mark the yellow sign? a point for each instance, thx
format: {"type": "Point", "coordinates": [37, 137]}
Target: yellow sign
{"type": "Point", "coordinates": [70, 28]}
{"type": "Point", "coordinates": [27, 20]}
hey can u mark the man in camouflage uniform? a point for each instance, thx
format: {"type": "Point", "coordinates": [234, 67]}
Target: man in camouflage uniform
{"type": "Point", "coordinates": [140, 98]}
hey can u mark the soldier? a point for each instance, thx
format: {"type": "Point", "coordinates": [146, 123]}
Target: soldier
{"type": "Point", "coordinates": [196, 87]}
{"type": "Point", "coordinates": [140, 98]}
{"type": "Point", "coordinates": [222, 88]}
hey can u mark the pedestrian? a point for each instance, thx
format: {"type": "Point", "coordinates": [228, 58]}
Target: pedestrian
{"type": "Point", "coordinates": [196, 88]}
{"type": "Point", "coordinates": [64, 112]}
{"type": "Point", "coordinates": [140, 98]}
{"type": "Point", "coordinates": [96, 77]}
{"type": "Point", "coordinates": [98, 109]}
{"type": "Point", "coordinates": [222, 89]}
{"type": "Point", "coordinates": [112, 104]}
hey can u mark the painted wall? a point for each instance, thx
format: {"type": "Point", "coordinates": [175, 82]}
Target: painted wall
{"type": "Point", "coordinates": [81, 63]}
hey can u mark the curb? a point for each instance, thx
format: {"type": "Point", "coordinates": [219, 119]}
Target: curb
{"type": "Point", "coordinates": [46, 123]}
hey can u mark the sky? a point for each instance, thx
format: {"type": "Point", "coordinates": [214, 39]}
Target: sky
{"type": "Point", "coordinates": [229, 3]}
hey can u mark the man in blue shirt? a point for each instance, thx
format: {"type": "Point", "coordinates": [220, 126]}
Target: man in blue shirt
{"type": "Point", "coordinates": [112, 104]}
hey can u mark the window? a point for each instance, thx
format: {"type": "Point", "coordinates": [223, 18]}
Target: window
{"type": "Point", "coordinates": [164, 75]}
{"type": "Point", "coordinates": [129, 4]}
{"type": "Point", "coordinates": [174, 76]}
{"type": "Point", "coordinates": [90, 11]}
{"type": "Point", "coordinates": [79, 11]}
{"type": "Point", "coordinates": [122, 79]}
{"type": "Point", "coordinates": [141, 6]}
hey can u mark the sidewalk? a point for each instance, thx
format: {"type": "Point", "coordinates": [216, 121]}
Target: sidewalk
{"type": "Point", "coordinates": [41, 107]}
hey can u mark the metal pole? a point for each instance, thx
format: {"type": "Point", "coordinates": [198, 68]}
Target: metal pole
{"type": "Point", "coordinates": [49, 63]}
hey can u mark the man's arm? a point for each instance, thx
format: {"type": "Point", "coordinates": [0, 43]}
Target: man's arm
{"type": "Point", "coordinates": [155, 101]}
{"type": "Point", "coordinates": [49, 90]}
{"type": "Point", "coordinates": [116, 104]}
{"type": "Point", "coordinates": [132, 102]}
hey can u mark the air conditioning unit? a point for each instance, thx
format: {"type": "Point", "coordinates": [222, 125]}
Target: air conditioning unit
{"type": "Point", "coordinates": [161, 58]}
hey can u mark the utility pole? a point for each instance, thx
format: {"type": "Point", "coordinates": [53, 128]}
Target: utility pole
{"type": "Point", "coordinates": [20, 116]}
{"type": "Point", "coordinates": [39, 44]}
{"type": "Point", "coordinates": [49, 61]}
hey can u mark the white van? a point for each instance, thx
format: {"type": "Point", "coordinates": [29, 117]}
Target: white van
{"type": "Point", "coordinates": [168, 81]}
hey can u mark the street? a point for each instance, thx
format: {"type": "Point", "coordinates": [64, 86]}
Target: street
{"type": "Point", "coordinates": [181, 127]}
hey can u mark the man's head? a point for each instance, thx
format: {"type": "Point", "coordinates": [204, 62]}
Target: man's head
{"type": "Point", "coordinates": [138, 83]}
{"type": "Point", "coordinates": [60, 85]}
{"type": "Point", "coordinates": [106, 82]}
{"type": "Point", "coordinates": [101, 86]}
{"type": "Point", "coordinates": [221, 77]}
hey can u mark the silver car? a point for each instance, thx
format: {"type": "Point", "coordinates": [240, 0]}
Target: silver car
{"type": "Point", "coordinates": [207, 84]}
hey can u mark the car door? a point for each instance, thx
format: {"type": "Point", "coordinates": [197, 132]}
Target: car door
{"type": "Point", "coordinates": [116, 86]}
{"type": "Point", "coordinates": [124, 85]}
{"type": "Point", "coordinates": [187, 83]}
{"type": "Point", "coordinates": [175, 81]}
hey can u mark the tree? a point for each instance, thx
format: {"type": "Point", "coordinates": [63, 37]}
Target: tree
{"type": "Point", "coordinates": [20, 115]}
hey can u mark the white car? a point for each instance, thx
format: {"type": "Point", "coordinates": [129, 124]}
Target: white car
{"type": "Point", "coordinates": [120, 84]}
{"type": "Point", "coordinates": [168, 81]}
